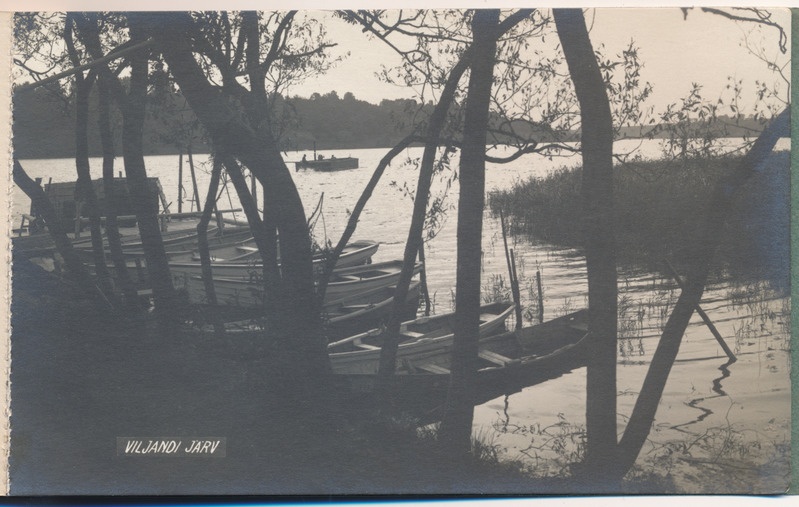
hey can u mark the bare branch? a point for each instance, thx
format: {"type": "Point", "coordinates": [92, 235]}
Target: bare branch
{"type": "Point", "coordinates": [757, 16]}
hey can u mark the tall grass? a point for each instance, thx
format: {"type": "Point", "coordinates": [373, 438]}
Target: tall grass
{"type": "Point", "coordinates": [659, 211]}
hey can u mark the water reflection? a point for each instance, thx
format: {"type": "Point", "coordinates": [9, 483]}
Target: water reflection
{"type": "Point", "coordinates": [695, 403]}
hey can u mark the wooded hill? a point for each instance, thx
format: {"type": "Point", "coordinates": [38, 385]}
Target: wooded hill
{"type": "Point", "coordinates": [44, 124]}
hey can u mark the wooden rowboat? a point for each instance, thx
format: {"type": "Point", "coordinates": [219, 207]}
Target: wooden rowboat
{"type": "Point", "coordinates": [177, 244]}
{"type": "Point", "coordinates": [328, 164]}
{"type": "Point", "coordinates": [346, 316]}
{"type": "Point", "coordinates": [426, 343]}
{"type": "Point", "coordinates": [509, 362]}
{"type": "Point", "coordinates": [248, 293]}
{"type": "Point", "coordinates": [188, 244]}
{"type": "Point", "coordinates": [241, 260]}
{"type": "Point", "coordinates": [366, 310]}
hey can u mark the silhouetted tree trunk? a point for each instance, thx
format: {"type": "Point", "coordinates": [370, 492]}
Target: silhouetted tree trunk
{"type": "Point", "coordinates": [264, 235]}
{"type": "Point", "coordinates": [111, 228]}
{"type": "Point", "coordinates": [84, 189]}
{"type": "Point", "coordinates": [62, 243]}
{"type": "Point", "coordinates": [599, 241]}
{"type": "Point", "coordinates": [388, 354]}
{"type": "Point", "coordinates": [202, 241]}
{"type": "Point", "coordinates": [145, 204]}
{"type": "Point", "coordinates": [699, 258]}
{"type": "Point", "coordinates": [456, 425]}
{"type": "Point", "coordinates": [298, 335]}
{"type": "Point", "coordinates": [352, 222]}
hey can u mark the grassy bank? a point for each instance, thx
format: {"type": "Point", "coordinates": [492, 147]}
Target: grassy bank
{"type": "Point", "coordinates": [660, 208]}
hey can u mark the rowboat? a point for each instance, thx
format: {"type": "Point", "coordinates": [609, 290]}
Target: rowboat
{"type": "Point", "coordinates": [328, 164]}
{"type": "Point", "coordinates": [241, 260]}
{"type": "Point", "coordinates": [177, 243]}
{"type": "Point", "coordinates": [188, 243]}
{"type": "Point", "coordinates": [248, 293]}
{"type": "Point", "coordinates": [366, 310]}
{"type": "Point", "coordinates": [345, 316]}
{"type": "Point", "coordinates": [133, 241]}
{"type": "Point", "coordinates": [425, 343]}
{"type": "Point", "coordinates": [345, 282]}
{"type": "Point", "coordinates": [508, 363]}
{"type": "Point", "coordinates": [134, 258]}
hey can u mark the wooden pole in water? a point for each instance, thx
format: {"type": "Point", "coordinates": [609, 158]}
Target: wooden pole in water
{"type": "Point", "coordinates": [180, 182]}
{"type": "Point", "coordinates": [540, 297]}
{"type": "Point", "coordinates": [515, 288]}
{"type": "Point", "coordinates": [423, 281]}
{"type": "Point", "coordinates": [194, 179]}
{"type": "Point", "coordinates": [514, 283]}
{"type": "Point", "coordinates": [162, 217]}
{"type": "Point", "coordinates": [77, 218]}
{"type": "Point", "coordinates": [702, 314]}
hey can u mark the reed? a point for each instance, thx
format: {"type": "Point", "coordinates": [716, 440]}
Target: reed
{"type": "Point", "coordinates": [659, 207]}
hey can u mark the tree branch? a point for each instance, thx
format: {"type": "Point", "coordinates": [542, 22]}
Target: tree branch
{"type": "Point", "coordinates": [278, 41]}
{"type": "Point", "coordinates": [760, 18]}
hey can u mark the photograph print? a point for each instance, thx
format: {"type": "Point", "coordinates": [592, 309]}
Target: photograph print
{"type": "Point", "coordinates": [435, 252]}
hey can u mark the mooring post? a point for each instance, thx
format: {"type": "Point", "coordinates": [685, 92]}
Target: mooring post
{"type": "Point", "coordinates": [194, 179]}
{"type": "Point", "coordinates": [423, 281]}
{"type": "Point", "coordinates": [540, 296]}
{"type": "Point", "coordinates": [78, 225]}
{"type": "Point", "coordinates": [514, 283]}
{"type": "Point", "coordinates": [702, 314]}
{"type": "Point", "coordinates": [180, 182]}
{"type": "Point", "coordinates": [514, 287]}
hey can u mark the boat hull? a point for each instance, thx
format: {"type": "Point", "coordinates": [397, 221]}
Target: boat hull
{"type": "Point", "coordinates": [427, 343]}
{"type": "Point", "coordinates": [328, 164]}
{"type": "Point", "coordinates": [538, 353]}
{"type": "Point", "coordinates": [249, 293]}
{"type": "Point", "coordinates": [343, 317]}
{"type": "Point", "coordinates": [249, 265]}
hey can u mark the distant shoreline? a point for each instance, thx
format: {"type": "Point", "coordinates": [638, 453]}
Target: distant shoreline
{"type": "Point", "coordinates": [319, 148]}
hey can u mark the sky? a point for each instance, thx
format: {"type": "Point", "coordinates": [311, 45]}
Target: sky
{"type": "Point", "coordinates": [676, 51]}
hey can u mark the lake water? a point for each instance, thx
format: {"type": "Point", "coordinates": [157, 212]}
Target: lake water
{"type": "Point", "coordinates": [714, 419]}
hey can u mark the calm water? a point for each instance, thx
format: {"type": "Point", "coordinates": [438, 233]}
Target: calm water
{"type": "Point", "coordinates": [713, 419]}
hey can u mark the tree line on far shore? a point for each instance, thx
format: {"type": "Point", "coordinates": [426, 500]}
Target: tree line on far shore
{"type": "Point", "coordinates": [44, 124]}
